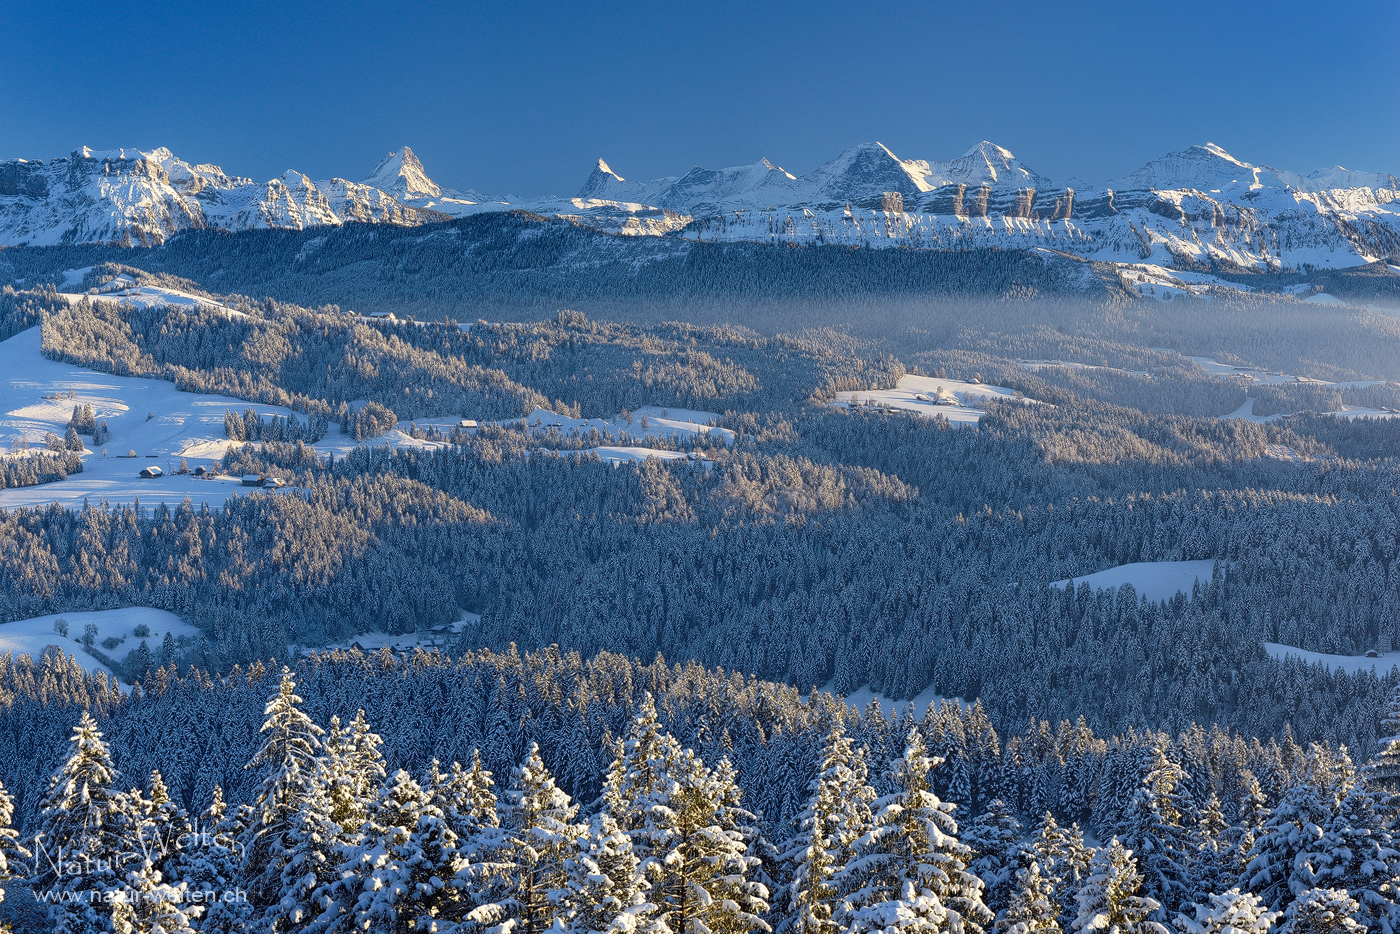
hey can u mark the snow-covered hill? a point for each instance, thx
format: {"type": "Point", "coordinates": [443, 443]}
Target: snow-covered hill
{"type": "Point", "coordinates": [1196, 208]}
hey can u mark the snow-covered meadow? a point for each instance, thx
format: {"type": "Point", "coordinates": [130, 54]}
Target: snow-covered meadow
{"type": "Point", "coordinates": [124, 290]}
{"type": "Point", "coordinates": [647, 422]}
{"type": "Point", "coordinates": [116, 634]}
{"type": "Point", "coordinates": [1153, 580]}
{"type": "Point", "coordinates": [149, 417]}
{"type": "Point", "coordinates": [1380, 663]}
{"type": "Point", "coordinates": [954, 399]}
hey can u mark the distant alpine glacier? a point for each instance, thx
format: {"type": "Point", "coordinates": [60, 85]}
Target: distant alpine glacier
{"type": "Point", "coordinates": [1198, 208]}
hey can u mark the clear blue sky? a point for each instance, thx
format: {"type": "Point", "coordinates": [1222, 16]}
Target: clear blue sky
{"type": "Point", "coordinates": [522, 97]}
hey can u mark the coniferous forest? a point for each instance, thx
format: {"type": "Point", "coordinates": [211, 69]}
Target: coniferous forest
{"type": "Point", "coordinates": [629, 714]}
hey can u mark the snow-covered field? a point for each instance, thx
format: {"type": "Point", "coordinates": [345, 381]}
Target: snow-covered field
{"type": "Point", "coordinates": [1254, 374]}
{"type": "Point", "coordinates": [162, 425]}
{"type": "Point", "coordinates": [151, 417]}
{"type": "Point", "coordinates": [861, 697]}
{"type": "Point", "coordinates": [954, 399]}
{"type": "Point", "coordinates": [1035, 366]}
{"type": "Point", "coordinates": [1153, 580]}
{"type": "Point", "coordinates": [1164, 284]}
{"type": "Point", "coordinates": [124, 290]}
{"type": "Point", "coordinates": [617, 456]}
{"type": "Point", "coordinates": [1270, 378]}
{"type": "Point", "coordinates": [647, 422]}
{"type": "Point", "coordinates": [1348, 663]}
{"type": "Point", "coordinates": [31, 636]}
{"type": "Point", "coordinates": [148, 416]}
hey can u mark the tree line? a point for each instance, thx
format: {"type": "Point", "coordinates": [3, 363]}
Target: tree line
{"type": "Point", "coordinates": [329, 831]}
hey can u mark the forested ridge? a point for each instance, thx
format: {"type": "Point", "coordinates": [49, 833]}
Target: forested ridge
{"type": "Point", "coordinates": [519, 264]}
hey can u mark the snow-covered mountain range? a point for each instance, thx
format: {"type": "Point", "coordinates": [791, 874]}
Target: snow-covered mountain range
{"type": "Point", "coordinates": [1193, 208]}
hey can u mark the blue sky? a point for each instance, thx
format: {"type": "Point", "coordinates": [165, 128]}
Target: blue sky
{"type": "Point", "coordinates": [523, 97]}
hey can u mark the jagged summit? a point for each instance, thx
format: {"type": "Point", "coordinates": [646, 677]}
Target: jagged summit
{"type": "Point", "coordinates": [401, 174]}
{"type": "Point", "coordinates": [603, 184]}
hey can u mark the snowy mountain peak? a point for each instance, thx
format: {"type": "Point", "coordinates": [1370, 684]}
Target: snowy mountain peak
{"type": "Point", "coordinates": [1340, 177]}
{"type": "Point", "coordinates": [1206, 167]}
{"type": "Point", "coordinates": [402, 175]}
{"type": "Point", "coordinates": [984, 164]}
{"type": "Point", "coordinates": [602, 183]}
{"type": "Point", "coordinates": [866, 170]}
{"type": "Point", "coordinates": [993, 164]}
{"type": "Point", "coordinates": [991, 152]}
{"type": "Point", "coordinates": [1220, 153]}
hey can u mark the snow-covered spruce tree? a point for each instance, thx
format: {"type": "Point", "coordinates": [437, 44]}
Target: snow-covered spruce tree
{"type": "Point", "coordinates": [1050, 846]}
{"type": "Point", "coordinates": [1322, 911]}
{"type": "Point", "coordinates": [13, 854]}
{"type": "Point", "coordinates": [1234, 912]}
{"type": "Point", "coordinates": [1031, 908]}
{"type": "Point", "coordinates": [288, 762]}
{"type": "Point", "coordinates": [1153, 830]}
{"type": "Point", "coordinates": [80, 850]}
{"type": "Point", "coordinates": [405, 874]}
{"type": "Point", "coordinates": [912, 856]}
{"type": "Point", "coordinates": [700, 882]}
{"type": "Point", "coordinates": [994, 837]}
{"type": "Point", "coordinates": [1064, 861]}
{"type": "Point", "coordinates": [348, 773]}
{"type": "Point", "coordinates": [537, 835]}
{"type": "Point", "coordinates": [150, 906]}
{"type": "Point", "coordinates": [1209, 867]}
{"type": "Point", "coordinates": [1108, 902]}
{"type": "Point", "coordinates": [354, 771]}
{"type": "Point", "coordinates": [692, 852]}
{"type": "Point", "coordinates": [468, 804]}
{"type": "Point", "coordinates": [309, 853]}
{"type": "Point", "coordinates": [164, 827]}
{"type": "Point", "coordinates": [1382, 772]}
{"type": "Point", "coordinates": [1237, 839]}
{"type": "Point", "coordinates": [1357, 854]}
{"type": "Point", "coordinates": [348, 808]}
{"type": "Point", "coordinates": [837, 815]}
{"type": "Point", "coordinates": [640, 770]}
{"type": "Point", "coordinates": [211, 866]}
{"type": "Point", "coordinates": [760, 858]}
{"type": "Point", "coordinates": [1077, 860]}
{"type": "Point", "coordinates": [605, 891]}
{"type": "Point", "coordinates": [1294, 827]}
